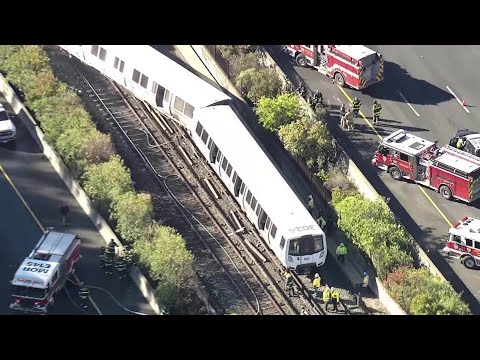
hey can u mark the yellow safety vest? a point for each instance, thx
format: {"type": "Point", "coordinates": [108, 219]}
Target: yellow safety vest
{"type": "Point", "coordinates": [316, 282]}
{"type": "Point", "coordinates": [326, 295]}
{"type": "Point", "coordinates": [336, 295]}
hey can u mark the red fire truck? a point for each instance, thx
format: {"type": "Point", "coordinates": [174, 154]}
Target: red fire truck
{"type": "Point", "coordinates": [354, 65]}
{"type": "Point", "coordinates": [452, 172]}
{"type": "Point", "coordinates": [464, 242]}
{"type": "Point", "coordinates": [44, 272]}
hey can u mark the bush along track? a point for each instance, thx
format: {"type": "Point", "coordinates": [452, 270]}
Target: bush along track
{"type": "Point", "coordinates": [90, 156]}
{"type": "Point", "coordinates": [370, 225]}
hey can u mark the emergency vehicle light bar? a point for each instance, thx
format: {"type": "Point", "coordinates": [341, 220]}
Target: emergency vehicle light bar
{"type": "Point", "coordinates": [459, 222]}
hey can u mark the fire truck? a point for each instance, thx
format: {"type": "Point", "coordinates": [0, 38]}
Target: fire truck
{"type": "Point", "coordinates": [464, 242]}
{"type": "Point", "coordinates": [452, 172]}
{"type": "Point", "coordinates": [44, 272]}
{"type": "Point", "coordinates": [354, 65]}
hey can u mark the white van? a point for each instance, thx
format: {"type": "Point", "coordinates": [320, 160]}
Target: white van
{"type": "Point", "coordinates": [7, 128]}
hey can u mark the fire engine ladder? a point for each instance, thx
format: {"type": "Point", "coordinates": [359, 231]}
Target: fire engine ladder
{"type": "Point", "coordinates": [463, 153]}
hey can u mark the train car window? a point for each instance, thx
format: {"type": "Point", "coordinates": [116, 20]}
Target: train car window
{"type": "Point", "coordinates": [403, 157]}
{"type": "Point", "coordinates": [115, 62]}
{"type": "Point", "coordinates": [273, 230]}
{"type": "Point", "coordinates": [242, 188]}
{"type": "Point", "coordinates": [179, 104]}
{"type": "Point", "coordinates": [167, 96]}
{"type": "Point", "coordinates": [254, 203]}
{"type": "Point", "coordinates": [199, 129]}
{"type": "Point", "coordinates": [259, 208]}
{"type": "Point", "coordinates": [219, 155]}
{"type": "Point", "coordinates": [229, 170]}
{"type": "Point", "coordinates": [249, 197]}
{"type": "Point", "coordinates": [204, 137]}
{"type": "Point", "coordinates": [95, 50]}
{"type": "Point", "coordinates": [469, 242]}
{"type": "Point", "coordinates": [235, 176]}
{"type": "Point", "coordinates": [122, 66]}
{"type": "Point", "coordinates": [267, 223]}
{"type": "Point", "coordinates": [144, 81]}
{"type": "Point", "coordinates": [188, 110]}
{"type": "Point", "coordinates": [136, 75]}
{"type": "Point", "coordinates": [262, 219]}
{"type": "Point", "coordinates": [209, 146]}
{"type": "Point", "coordinates": [103, 54]}
{"type": "Point", "coordinates": [224, 163]}
{"type": "Point", "coordinates": [154, 87]}
{"type": "Point", "coordinates": [282, 243]}
{"type": "Point", "coordinates": [213, 153]}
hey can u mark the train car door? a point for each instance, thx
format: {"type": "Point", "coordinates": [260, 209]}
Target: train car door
{"type": "Point", "coordinates": [163, 98]}
{"type": "Point", "coordinates": [262, 223]}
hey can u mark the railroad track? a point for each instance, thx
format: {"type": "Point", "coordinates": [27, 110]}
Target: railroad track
{"type": "Point", "coordinates": [206, 229]}
{"type": "Point", "coordinates": [209, 217]}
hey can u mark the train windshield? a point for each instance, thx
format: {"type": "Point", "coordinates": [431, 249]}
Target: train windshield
{"type": "Point", "coordinates": [306, 245]}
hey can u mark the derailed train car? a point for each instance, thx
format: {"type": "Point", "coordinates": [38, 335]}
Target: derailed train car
{"type": "Point", "coordinates": [219, 134]}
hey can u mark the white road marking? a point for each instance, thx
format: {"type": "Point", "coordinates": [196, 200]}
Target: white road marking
{"type": "Point", "coordinates": [459, 101]}
{"type": "Point", "coordinates": [411, 107]}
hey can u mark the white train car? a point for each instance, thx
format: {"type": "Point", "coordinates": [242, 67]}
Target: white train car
{"type": "Point", "coordinates": [152, 77]}
{"type": "Point", "coordinates": [216, 129]}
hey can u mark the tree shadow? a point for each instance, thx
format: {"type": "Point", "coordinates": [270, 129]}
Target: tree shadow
{"type": "Point", "coordinates": [417, 91]}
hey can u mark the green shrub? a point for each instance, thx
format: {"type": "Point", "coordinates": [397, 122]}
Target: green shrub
{"type": "Point", "coordinates": [256, 83]}
{"type": "Point", "coordinates": [230, 52]}
{"type": "Point", "coordinates": [307, 139]}
{"type": "Point", "coordinates": [133, 214]}
{"type": "Point", "coordinates": [275, 112]}
{"type": "Point", "coordinates": [106, 181]}
{"type": "Point", "coordinates": [6, 51]}
{"type": "Point", "coordinates": [168, 261]}
{"type": "Point", "coordinates": [98, 149]}
{"type": "Point", "coordinates": [420, 293]}
{"type": "Point", "coordinates": [373, 228]}
{"type": "Point", "coordinates": [245, 62]}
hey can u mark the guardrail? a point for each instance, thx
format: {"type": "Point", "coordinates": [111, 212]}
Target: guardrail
{"type": "Point", "coordinates": [352, 171]}
{"type": "Point", "coordinates": [77, 191]}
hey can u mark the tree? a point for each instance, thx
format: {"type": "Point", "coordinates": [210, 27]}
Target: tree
{"type": "Point", "coordinates": [230, 52]}
{"type": "Point", "coordinates": [307, 139]}
{"type": "Point", "coordinates": [28, 57]}
{"type": "Point", "coordinates": [105, 182]}
{"type": "Point", "coordinates": [168, 261]}
{"type": "Point", "coordinates": [281, 110]}
{"type": "Point", "coordinates": [133, 214]}
{"type": "Point", "coordinates": [245, 62]}
{"type": "Point", "coordinates": [255, 83]}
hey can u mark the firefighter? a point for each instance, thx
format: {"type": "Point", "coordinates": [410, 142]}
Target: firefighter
{"type": "Point", "coordinates": [108, 265]}
{"type": "Point", "coordinates": [121, 267]}
{"type": "Point", "coordinates": [326, 297]}
{"type": "Point", "coordinates": [83, 294]}
{"type": "Point", "coordinates": [377, 109]}
{"type": "Point", "coordinates": [321, 222]}
{"type": "Point", "coordinates": [289, 286]}
{"type": "Point", "coordinates": [110, 250]}
{"type": "Point", "coordinates": [302, 90]}
{"type": "Point", "coordinates": [128, 256]}
{"type": "Point", "coordinates": [342, 110]}
{"type": "Point", "coordinates": [356, 106]}
{"type": "Point", "coordinates": [310, 204]}
{"type": "Point", "coordinates": [348, 120]}
{"type": "Point", "coordinates": [316, 284]}
{"type": "Point", "coordinates": [64, 211]}
{"type": "Point", "coordinates": [318, 97]}
{"type": "Point", "coordinates": [335, 299]}
{"type": "Point", "coordinates": [341, 252]}
{"type": "Point", "coordinates": [461, 143]}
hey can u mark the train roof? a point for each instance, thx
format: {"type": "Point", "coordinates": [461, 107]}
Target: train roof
{"type": "Point", "coordinates": [174, 77]}
{"type": "Point", "coordinates": [34, 273]}
{"type": "Point", "coordinates": [262, 178]}
{"type": "Point", "coordinates": [358, 52]}
{"type": "Point", "coordinates": [407, 143]}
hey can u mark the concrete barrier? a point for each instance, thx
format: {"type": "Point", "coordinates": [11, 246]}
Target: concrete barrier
{"type": "Point", "coordinates": [103, 228]}
{"type": "Point", "coordinates": [353, 172]}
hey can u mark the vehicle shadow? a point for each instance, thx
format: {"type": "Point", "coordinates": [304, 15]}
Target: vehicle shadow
{"type": "Point", "coordinates": [398, 82]}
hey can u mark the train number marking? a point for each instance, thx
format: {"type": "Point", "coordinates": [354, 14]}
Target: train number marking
{"type": "Point", "coordinates": [302, 228]}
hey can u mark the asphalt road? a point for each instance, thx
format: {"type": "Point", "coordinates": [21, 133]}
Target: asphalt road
{"type": "Point", "coordinates": [44, 192]}
{"type": "Point", "coordinates": [419, 75]}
